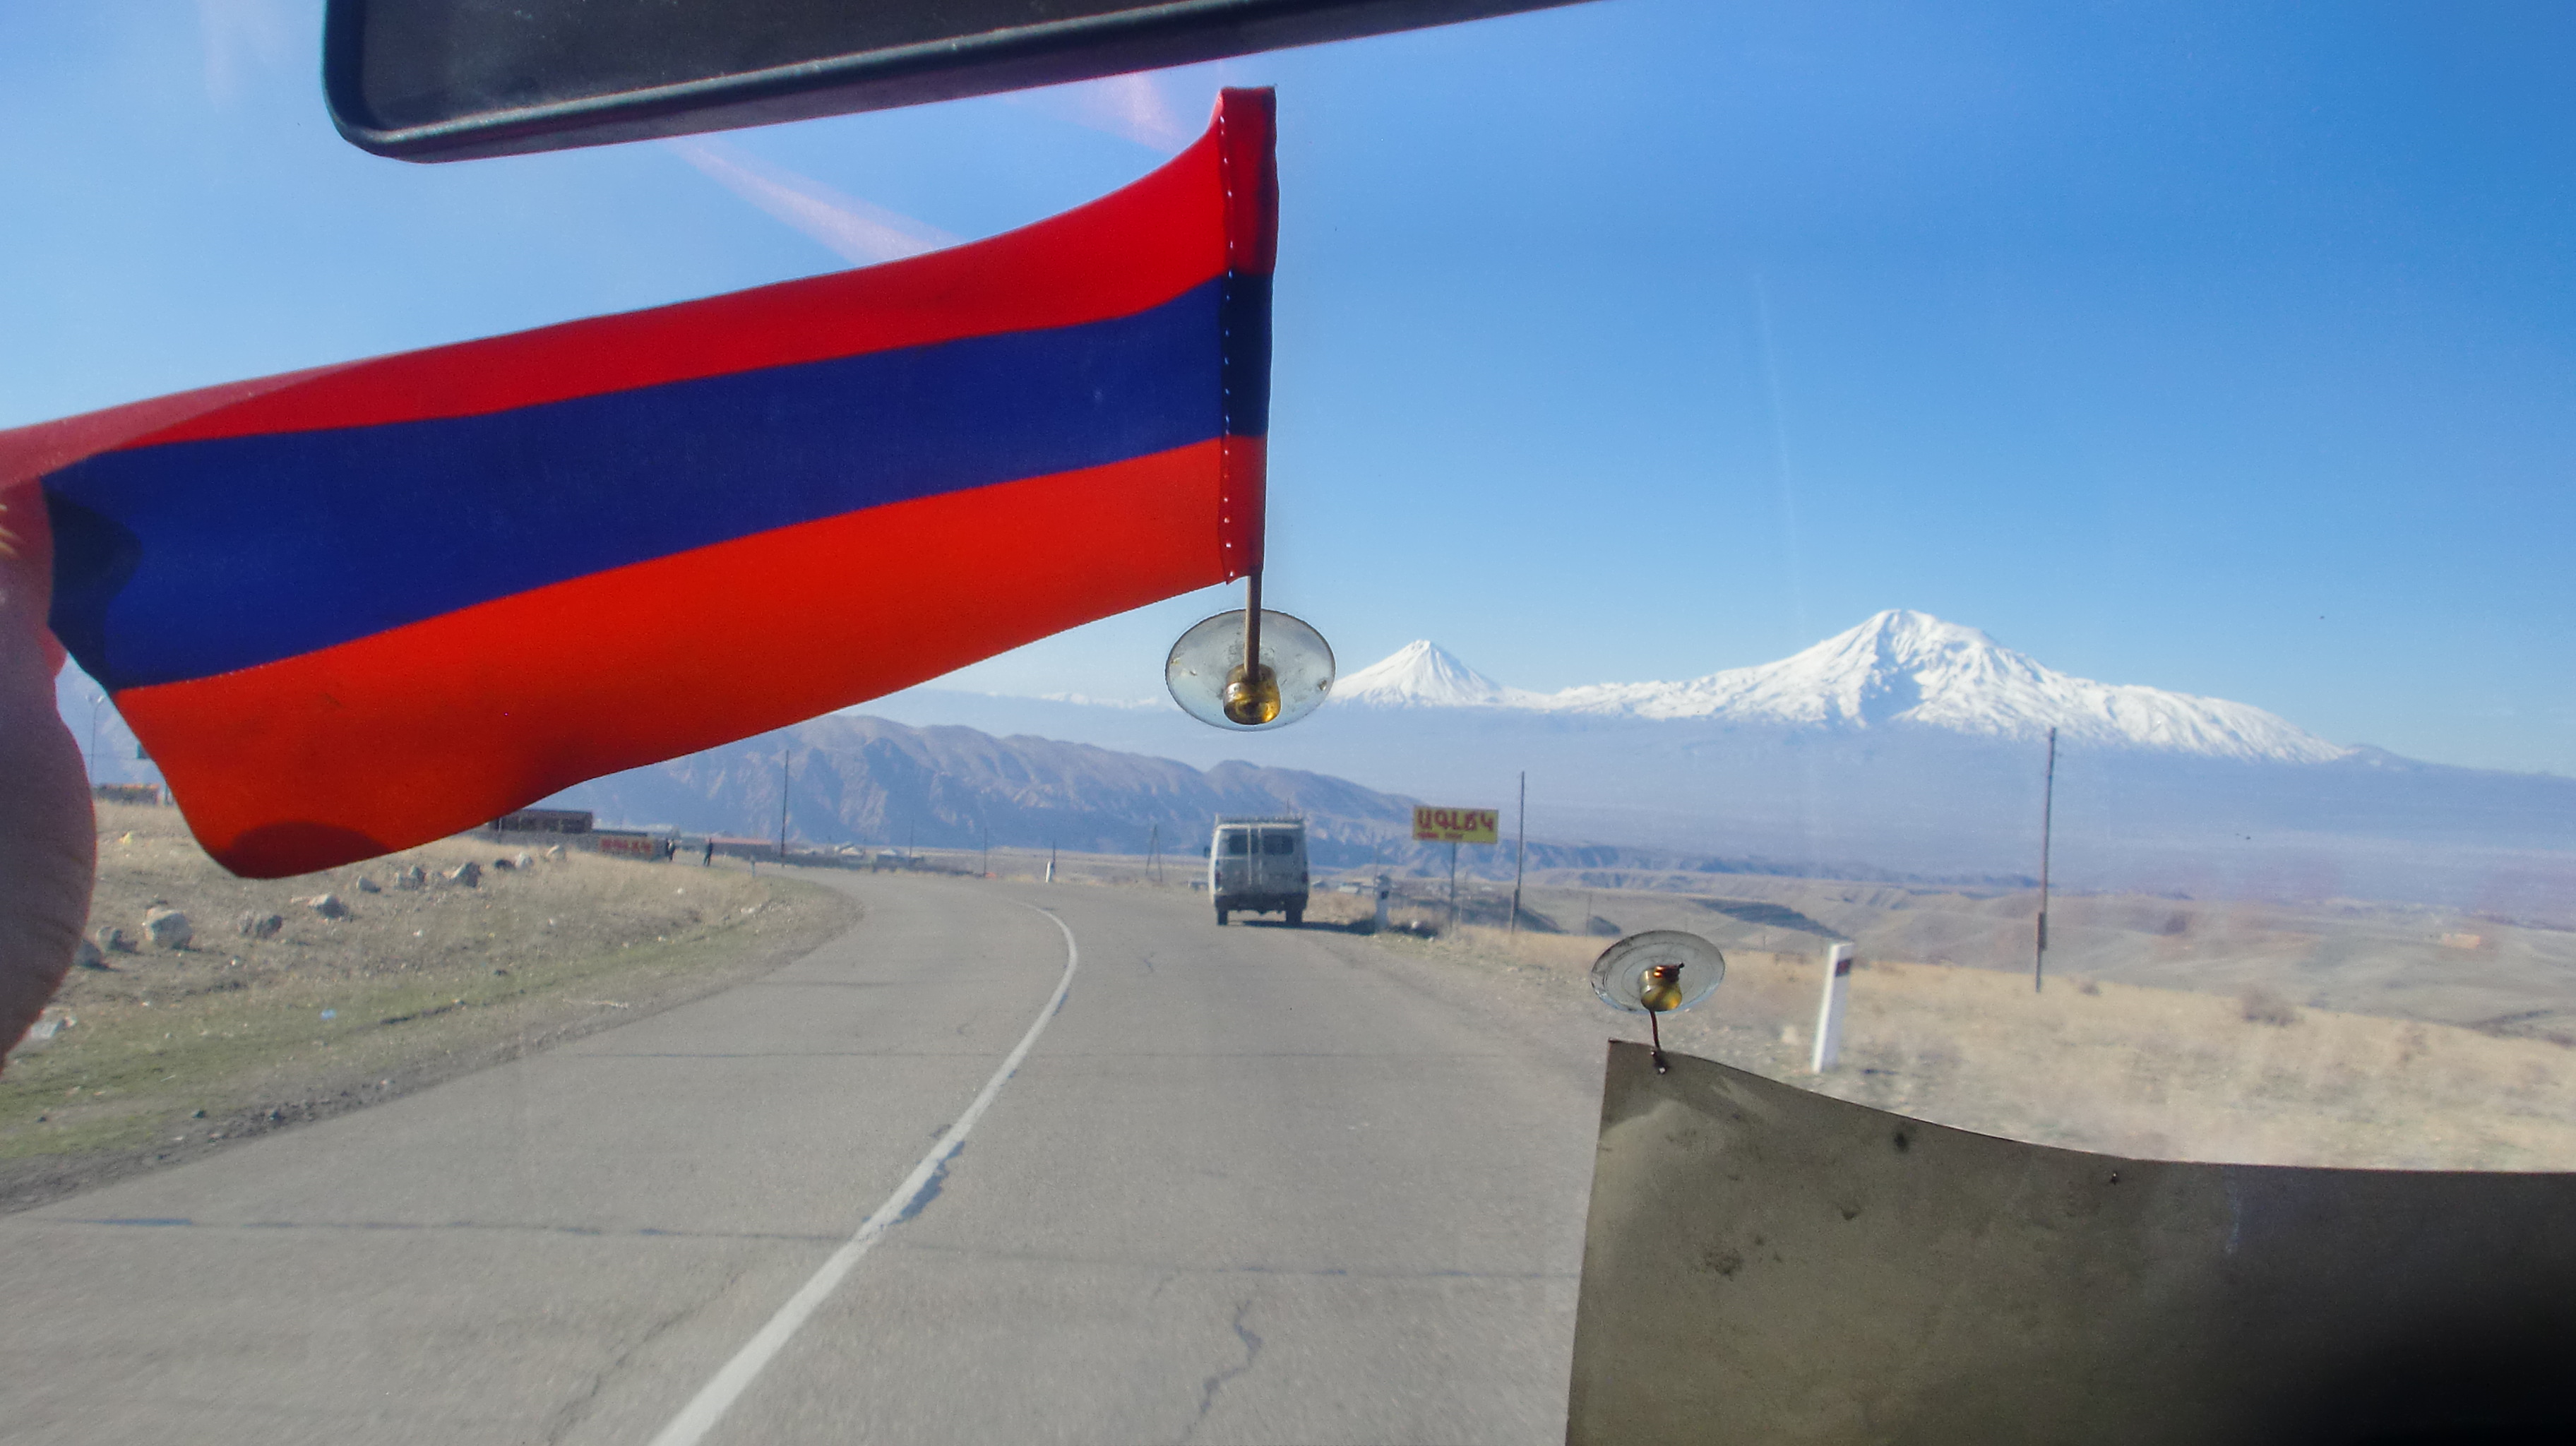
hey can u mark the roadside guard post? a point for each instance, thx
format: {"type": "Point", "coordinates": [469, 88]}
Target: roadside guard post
{"type": "Point", "coordinates": [1829, 1010]}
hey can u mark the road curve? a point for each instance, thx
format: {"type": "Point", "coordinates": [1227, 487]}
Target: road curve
{"type": "Point", "coordinates": [1249, 1185]}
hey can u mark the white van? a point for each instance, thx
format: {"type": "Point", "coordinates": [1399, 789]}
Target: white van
{"type": "Point", "coordinates": [1258, 866]}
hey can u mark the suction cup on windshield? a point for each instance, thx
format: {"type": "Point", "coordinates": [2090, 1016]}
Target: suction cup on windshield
{"type": "Point", "coordinates": [1208, 678]}
{"type": "Point", "coordinates": [1656, 973]}
{"type": "Point", "coordinates": [1621, 975]}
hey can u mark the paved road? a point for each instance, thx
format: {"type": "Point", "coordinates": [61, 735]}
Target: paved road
{"type": "Point", "coordinates": [1249, 1185]}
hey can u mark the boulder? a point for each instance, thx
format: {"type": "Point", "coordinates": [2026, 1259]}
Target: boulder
{"type": "Point", "coordinates": [326, 905]}
{"type": "Point", "coordinates": [260, 926]}
{"type": "Point", "coordinates": [87, 956]}
{"type": "Point", "coordinates": [525, 860]}
{"type": "Point", "coordinates": [369, 886]}
{"type": "Point", "coordinates": [555, 854]}
{"type": "Point", "coordinates": [167, 928]}
{"type": "Point", "coordinates": [466, 875]}
{"type": "Point", "coordinates": [414, 877]}
{"type": "Point", "coordinates": [112, 940]}
{"type": "Point", "coordinates": [503, 864]}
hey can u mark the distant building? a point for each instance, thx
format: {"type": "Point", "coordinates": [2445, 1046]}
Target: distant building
{"type": "Point", "coordinates": [632, 843]}
{"type": "Point", "coordinates": [126, 792]}
{"type": "Point", "coordinates": [544, 820]}
{"type": "Point", "coordinates": [744, 848]}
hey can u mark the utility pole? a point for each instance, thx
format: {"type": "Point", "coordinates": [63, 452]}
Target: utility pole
{"type": "Point", "coordinates": [783, 756]}
{"type": "Point", "coordinates": [1050, 878]}
{"type": "Point", "coordinates": [2047, 819]}
{"type": "Point", "coordinates": [1154, 853]}
{"type": "Point", "coordinates": [1520, 858]}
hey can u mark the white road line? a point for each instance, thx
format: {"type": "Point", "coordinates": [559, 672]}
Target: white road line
{"type": "Point", "coordinates": [718, 1395]}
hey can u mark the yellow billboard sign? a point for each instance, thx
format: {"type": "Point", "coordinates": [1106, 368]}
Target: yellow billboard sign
{"type": "Point", "coordinates": [1457, 825]}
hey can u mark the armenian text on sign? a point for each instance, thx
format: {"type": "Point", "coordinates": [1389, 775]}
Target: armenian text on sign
{"type": "Point", "coordinates": [1457, 825]}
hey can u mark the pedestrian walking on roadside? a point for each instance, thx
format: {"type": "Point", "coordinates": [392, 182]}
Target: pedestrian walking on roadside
{"type": "Point", "coordinates": [709, 859]}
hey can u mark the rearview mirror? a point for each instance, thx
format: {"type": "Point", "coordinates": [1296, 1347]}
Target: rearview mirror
{"type": "Point", "coordinates": [446, 80]}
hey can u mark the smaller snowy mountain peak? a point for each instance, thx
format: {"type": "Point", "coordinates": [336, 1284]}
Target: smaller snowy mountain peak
{"type": "Point", "coordinates": [1423, 674]}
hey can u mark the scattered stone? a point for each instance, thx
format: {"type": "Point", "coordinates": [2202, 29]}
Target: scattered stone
{"type": "Point", "coordinates": [326, 905]}
{"type": "Point", "coordinates": [369, 886]}
{"type": "Point", "coordinates": [260, 926]}
{"type": "Point", "coordinates": [2261, 1005]}
{"type": "Point", "coordinates": [197, 1115]}
{"type": "Point", "coordinates": [467, 875]}
{"type": "Point", "coordinates": [414, 877]}
{"type": "Point", "coordinates": [111, 939]}
{"type": "Point", "coordinates": [503, 864]}
{"type": "Point", "coordinates": [167, 928]}
{"type": "Point", "coordinates": [525, 860]}
{"type": "Point", "coordinates": [88, 957]}
{"type": "Point", "coordinates": [555, 854]}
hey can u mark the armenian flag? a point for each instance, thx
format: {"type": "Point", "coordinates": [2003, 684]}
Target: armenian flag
{"type": "Point", "coordinates": [352, 609]}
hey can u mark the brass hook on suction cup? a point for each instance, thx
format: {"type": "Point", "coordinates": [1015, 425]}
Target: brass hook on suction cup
{"type": "Point", "coordinates": [1252, 688]}
{"type": "Point", "coordinates": [1662, 991]}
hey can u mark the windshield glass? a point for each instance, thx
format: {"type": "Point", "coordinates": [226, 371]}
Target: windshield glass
{"type": "Point", "coordinates": [2067, 502]}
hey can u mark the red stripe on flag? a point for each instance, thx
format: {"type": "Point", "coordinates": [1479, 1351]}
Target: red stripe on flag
{"type": "Point", "coordinates": [1132, 249]}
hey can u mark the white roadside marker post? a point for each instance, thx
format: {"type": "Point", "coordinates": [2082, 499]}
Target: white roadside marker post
{"type": "Point", "coordinates": [1829, 1011]}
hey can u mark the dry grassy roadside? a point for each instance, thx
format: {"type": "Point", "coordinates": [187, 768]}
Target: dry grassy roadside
{"type": "Point", "coordinates": [173, 1052]}
{"type": "Point", "coordinates": [2155, 1073]}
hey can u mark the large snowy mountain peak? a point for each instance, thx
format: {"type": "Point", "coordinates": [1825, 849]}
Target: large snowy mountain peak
{"type": "Point", "coordinates": [1898, 667]}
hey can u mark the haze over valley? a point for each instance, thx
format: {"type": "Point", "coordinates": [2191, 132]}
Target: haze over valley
{"type": "Point", "coordinates": [1905, 747]}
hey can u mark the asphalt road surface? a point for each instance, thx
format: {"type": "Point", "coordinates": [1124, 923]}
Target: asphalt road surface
{"type": "Point", "coordinates": [1249, 1185]}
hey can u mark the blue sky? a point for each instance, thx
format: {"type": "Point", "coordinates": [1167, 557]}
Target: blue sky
{"type": "Point", "coordinates": [2228, 348]}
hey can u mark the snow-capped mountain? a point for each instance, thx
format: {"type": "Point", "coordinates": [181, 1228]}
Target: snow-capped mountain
{"type": "Point", "coordinates": [1906, 743]}
{"type": "Point", "coordinates": [1898, 667]}
{"type": "Point", "coordinates": [1423, 674]}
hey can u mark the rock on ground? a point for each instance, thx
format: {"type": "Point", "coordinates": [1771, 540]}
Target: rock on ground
{"type": "Point", "coordinates": [167, 928]}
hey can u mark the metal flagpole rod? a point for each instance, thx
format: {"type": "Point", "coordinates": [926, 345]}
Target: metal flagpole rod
{"type": "Point", "coordinates": [2047, 820]}
{"type": "Point", "coordinates": [1252, 626]}
{"type": "Point", "coordinates": [1520, 857]}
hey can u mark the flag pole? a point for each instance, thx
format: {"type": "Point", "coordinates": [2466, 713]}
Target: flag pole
{"type": "Point", "coordinates": [1252, 628]}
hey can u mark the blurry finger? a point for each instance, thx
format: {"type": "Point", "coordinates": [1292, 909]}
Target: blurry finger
{"type": "Point", "coordinates": [47, 845]}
